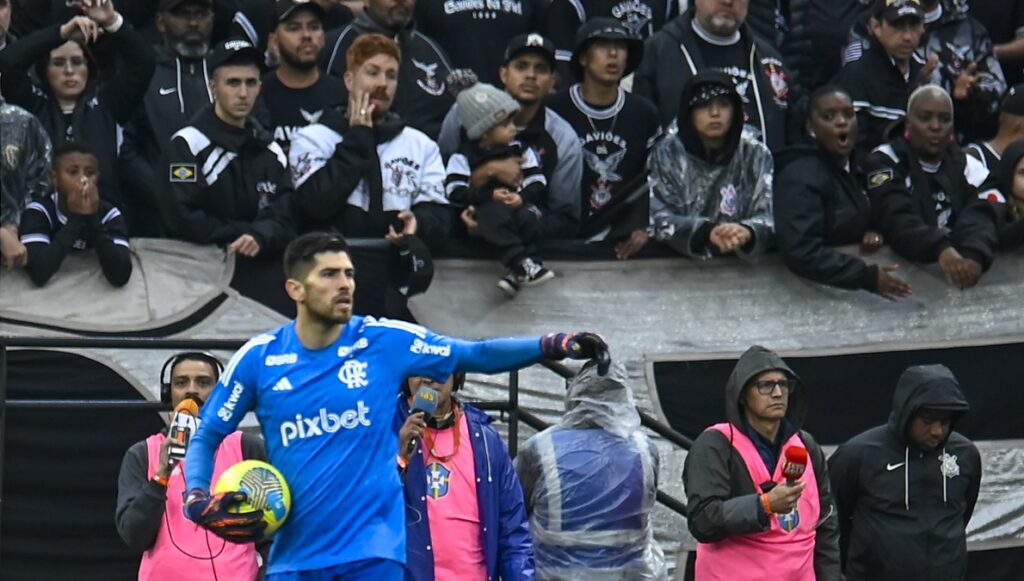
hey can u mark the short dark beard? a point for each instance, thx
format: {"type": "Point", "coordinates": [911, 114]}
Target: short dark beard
{"type": "Point", "coordinates": [293, 62]}
{"type": "Point", "coordinates": [189, 50]}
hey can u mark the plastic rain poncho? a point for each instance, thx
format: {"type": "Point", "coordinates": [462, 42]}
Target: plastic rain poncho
{"type": "Point", "coordinates": [24, 161]}
{"type": "Point", "coordinates": [693, 190]}
{"type": "Point", "coordinates": [590, 483]}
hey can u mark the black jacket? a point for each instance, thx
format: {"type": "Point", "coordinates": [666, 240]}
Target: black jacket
{"type": "Point", "coordinates": [722, 499]}
{"type": "Point", "coordinates": [819, 205]}
{"type": "Point", "coordinates": [422, 99]}
{"type": "Point", "coordinates": [141, 501]}
{"type": "Point", "coordinates": [226, 181]}
{"type": "Point", "coordinates": [815, 38]}
{"type": "Point", "coordinates": [178, 91]}
{"type": "Point", "coordinates": [672, 57]}
{"type": "Point", "coordinates": [904, 207]}
{"type": "Point", "coordinates": [879, 94]}
{"type": "Point", "coordinates": [902, 511]}
{"type": "Point", "coordinates": [100, 109]}
{"type": "Point", "coordinates": [49, 235]}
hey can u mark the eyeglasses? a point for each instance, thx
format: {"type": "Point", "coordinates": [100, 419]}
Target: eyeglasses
{"type": "Point", "coordinates": [767, 386]}
{"type": "Point", "coordinates": [61, 62]}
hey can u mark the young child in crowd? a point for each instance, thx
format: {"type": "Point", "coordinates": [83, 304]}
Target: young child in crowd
{"type": "Point", "coordinates": [73, 217]}
{"type": "Point", "coordinates": [505, 212]}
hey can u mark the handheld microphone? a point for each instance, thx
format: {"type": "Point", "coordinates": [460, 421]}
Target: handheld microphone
{"type": "Point", "coordinates": [796, 463]}
{"type": "Point", "coordinates": [425, 403]}
{"type": "Point", "coordinates": [183, 424]}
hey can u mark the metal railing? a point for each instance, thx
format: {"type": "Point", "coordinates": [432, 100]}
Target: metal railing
{"type": "Point", "coordinates": [510, 407]}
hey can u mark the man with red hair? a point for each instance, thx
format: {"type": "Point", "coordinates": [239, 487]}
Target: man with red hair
{"type": "Point", "coordinates": [362, 170]}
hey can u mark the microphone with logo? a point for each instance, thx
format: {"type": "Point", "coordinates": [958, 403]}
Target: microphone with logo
{"type": "Point", "coordinates": [425, 403]}
{"type": "Point", "coordinates": [183, 425]}
{"type": "Point", "coordinates": [796, 463]}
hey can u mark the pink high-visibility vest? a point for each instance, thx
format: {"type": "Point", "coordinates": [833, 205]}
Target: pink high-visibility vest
{"type": "Point", "coordinates": [786, 550]}
{"type": "Point", "coordinates": [183, 549]}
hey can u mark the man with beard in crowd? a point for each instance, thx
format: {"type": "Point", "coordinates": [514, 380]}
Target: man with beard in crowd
{"type": "Point", "coordinates": [422, 99]}
{"type": "Point", "coordinates": [178, 91]}
{"type": "Point", "coordinates": [364, 172]}
{"type": "Point", "coordinates": [713, 35]}
{"type": "Point", "coordinates": [297, 93]}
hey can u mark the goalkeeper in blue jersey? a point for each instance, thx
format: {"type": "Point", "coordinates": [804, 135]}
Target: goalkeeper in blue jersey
{"type": "Point", "coordinates": [323, 388]}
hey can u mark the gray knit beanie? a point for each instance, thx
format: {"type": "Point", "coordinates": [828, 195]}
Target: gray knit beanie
{"type": "Point", "coordinates": [481, 106]}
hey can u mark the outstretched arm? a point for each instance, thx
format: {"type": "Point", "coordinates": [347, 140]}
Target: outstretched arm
{"type": "Point", "coordinates": [437, 356]}
{"type": "Point", "coordinates": [496, 355]}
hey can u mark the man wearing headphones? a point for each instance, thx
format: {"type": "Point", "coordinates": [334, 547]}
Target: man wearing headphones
{"type": "Point", "coordinates": [149, 516]}
{"type": "Point", "coordinates": [465, 514]}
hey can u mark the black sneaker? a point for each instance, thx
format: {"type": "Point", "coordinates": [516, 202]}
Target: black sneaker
{"type": "Point", "coordinates": [533, 273]}
{"type": "Point", "coordinates": [509, 284]}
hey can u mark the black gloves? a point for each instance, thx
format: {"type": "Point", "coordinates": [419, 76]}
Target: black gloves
{"type": "Point", "coordinates": [577, 346]}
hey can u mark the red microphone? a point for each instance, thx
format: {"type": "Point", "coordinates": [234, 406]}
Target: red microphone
{"type": "Point", "coordinates": [796, 463]}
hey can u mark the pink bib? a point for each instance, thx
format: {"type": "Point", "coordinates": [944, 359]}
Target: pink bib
{"type": "Point", "coordinates": [453, 508]}
{"type": "Point", "coordinates": [786, 550]}
{"type": "Point", "coordinates": [183, 550]}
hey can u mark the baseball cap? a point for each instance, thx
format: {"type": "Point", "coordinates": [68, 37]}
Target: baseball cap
{"type": "Point", "coordinates": [284, 8]}
{"type": "Point", "coordinates": [530, 42]}
{"type": "Point", "coordinates": [168, 5]}
{"type": "Point", "coordinates": [607, 29]}
{"type": "Point", "coordinates": [234, 51]}
{"type": "Point", "coordinates": [1013, 101]}
{"type": "Point", "coordinates": [893, 10]}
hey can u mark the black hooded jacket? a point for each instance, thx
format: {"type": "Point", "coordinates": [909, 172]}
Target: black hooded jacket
{"type": "Point", "coordinates": [1011, 231]}
{"type": "Point", "coordinates": [721, 497]}
{"type": "Point", "coordinates": [903, 512]}
{"type": "Point", "coordinates": [904, 204]}
{"type": "Point", "coordinates": [673, 56]}
{"type": "Point", "coordinates": [819, 205]}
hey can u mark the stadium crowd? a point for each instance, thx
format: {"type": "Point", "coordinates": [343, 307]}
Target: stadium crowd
{"type": "Point", "coordinates": [705, 129]}
{"type": "Point", "coordinates": [709, 128]}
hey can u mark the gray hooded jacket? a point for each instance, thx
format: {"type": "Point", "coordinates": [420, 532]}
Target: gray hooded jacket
{"type": "Point", "coordinates": [918, 502]}
{"type": "Point", "coordinates": [721, 497]}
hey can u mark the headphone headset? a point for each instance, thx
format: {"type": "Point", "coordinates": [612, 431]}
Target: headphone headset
{"type": "Point", "coordinates": [168, 368]}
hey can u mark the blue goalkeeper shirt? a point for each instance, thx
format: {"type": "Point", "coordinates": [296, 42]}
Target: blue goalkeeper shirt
{"type": "Point", "coordinates": [328, 418]}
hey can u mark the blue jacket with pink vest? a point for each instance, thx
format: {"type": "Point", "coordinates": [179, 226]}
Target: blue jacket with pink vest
{"type": "Point", "coordinates": [505, 533]}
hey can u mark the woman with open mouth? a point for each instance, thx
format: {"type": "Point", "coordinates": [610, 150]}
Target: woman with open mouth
{"type": "Point", "coordinates": [820, 203]}
{"type": "Point", "coordinates": [924, 190]}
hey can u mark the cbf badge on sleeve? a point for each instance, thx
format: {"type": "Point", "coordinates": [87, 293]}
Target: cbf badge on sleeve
{"type": "Point", "coordinates": [789, 521]}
